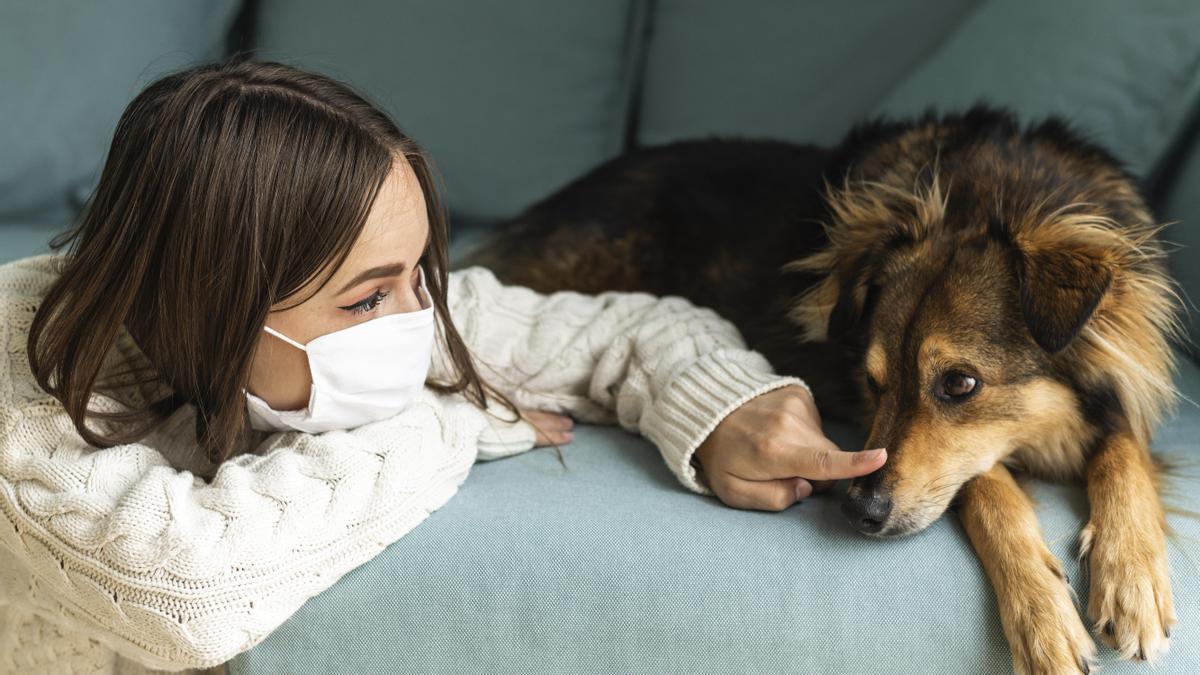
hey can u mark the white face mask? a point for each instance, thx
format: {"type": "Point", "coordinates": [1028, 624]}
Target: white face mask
{"type": "Point", "coordinates": [364, 373]}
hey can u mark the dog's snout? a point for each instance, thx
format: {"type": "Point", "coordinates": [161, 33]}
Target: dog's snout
{"type": "Point", "coordinates": [867, 510]}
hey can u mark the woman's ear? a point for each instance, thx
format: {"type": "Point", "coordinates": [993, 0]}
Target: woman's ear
{"type": "Point", "coordinates": [1060, 289]}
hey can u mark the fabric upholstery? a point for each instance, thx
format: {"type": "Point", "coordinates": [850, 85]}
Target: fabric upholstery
{"type": "Point", "coordinates": [1128, 74]}
{"type": "Point", "coordinates": [67, 71]}
{"type": "Point", "coordinates": [512, 99]}
{"type": "Point", "coordinates": [1181, 207]}
{"type": "Point", "coordinates": [799, 71]}
{"type": "Point", "coordinates": [23, 239]}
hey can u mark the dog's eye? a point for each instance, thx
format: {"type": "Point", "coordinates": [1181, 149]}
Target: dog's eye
{"type": "Point", "coordinates": [955, 385]}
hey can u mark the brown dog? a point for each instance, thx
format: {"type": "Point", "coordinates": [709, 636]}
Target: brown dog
{"type": "Point", "coordinates": [992, 298]}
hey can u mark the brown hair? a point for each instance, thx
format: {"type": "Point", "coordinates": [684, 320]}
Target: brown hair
{"type": "Point", "coordinates": [228, 188]}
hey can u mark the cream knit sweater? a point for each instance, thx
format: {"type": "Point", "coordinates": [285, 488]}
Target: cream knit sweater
{"type": "Point", "coordinates": [114, 558]}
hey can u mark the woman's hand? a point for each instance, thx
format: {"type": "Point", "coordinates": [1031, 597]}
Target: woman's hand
{"type": "Point", "coordinates": [551, 428]}
{"type": "Point", "coordinates": [771, 453]}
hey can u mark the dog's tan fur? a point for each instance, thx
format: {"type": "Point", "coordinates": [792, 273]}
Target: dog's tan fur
{"type": "Point", "coordinates": [1037, 611]}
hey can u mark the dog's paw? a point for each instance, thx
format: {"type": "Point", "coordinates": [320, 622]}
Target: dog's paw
{"type": "Point", "coordinates": [1129, 600]}
{"type": "Point", "coordinates": [1044, 629]}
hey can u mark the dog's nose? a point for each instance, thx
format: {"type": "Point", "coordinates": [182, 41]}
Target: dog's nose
{"type": "Point", "coordinates": [867, 511]}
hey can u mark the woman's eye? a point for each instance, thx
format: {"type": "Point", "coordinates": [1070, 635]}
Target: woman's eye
{"type": "Point", "coordinates": [367, 304]}
{"type": "Point", "coordinates": [955, 385]}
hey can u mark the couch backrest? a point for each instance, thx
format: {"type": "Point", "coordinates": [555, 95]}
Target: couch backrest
{"type": "Point", "coordinates": [67, 71]}
{"type": "Point", "coordinates": [1180, 206]}
{"type": "Point", "coordinates": [510, 98]}
{"type": "Point", "coordinates": [801, 71]}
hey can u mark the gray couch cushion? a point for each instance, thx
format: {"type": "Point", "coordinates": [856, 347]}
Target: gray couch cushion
{"type": "Point", "coordinates": [1181, 207]}
{"type": "Point", "coordinates": [67, 71]}
{"type": "Point", "coordinates": [1127, 73]}
{"type": "Point", "coordinates": [801, 71]}
{"type": "Point", "coordinates": [23, 239]}
{"type": "Point", "coordinates": [512, 99]}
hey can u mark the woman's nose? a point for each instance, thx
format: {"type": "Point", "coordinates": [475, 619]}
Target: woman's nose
{"type": "Point", "coordinates": [409, 301]}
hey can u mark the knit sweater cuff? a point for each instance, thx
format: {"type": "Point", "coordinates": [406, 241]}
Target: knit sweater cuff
{"type": "Point", "coordinates": [696, 401]}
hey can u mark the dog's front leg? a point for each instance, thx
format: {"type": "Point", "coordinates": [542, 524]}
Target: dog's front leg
{"type": "Point", "coordinates": [1124, 543]}
{"type": "Point", "coordinates": [1040, 620]}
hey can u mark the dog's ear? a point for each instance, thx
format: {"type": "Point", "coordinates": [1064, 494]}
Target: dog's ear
{"type": "Point", "coordinates": [846, 316]}
{"type": "Point", "coordinates": [1060, 288]}
{"type": "Point", "coordinates": [855, 303]}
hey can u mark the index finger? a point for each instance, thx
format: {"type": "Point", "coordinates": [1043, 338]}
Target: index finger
{"type": "Point", "coordinates": [830, 463]}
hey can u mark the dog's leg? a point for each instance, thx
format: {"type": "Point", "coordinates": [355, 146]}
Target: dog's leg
{"type": "Point", "coordinates": [1041, 622]}
{"type": "Point", "coordinates": [1124, 543]}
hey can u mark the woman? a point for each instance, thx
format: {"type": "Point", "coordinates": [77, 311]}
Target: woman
{"type": "Point", "coordinates": [258, 294]}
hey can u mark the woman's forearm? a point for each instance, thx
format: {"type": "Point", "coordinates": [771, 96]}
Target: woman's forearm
{"type": "Point", "coordinates": [660, 366]}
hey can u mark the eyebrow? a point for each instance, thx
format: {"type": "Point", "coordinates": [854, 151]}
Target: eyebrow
{"type": "Point", "coordinates": [381, 271]}
{"type": "Point", "coordinates": [391, 270]}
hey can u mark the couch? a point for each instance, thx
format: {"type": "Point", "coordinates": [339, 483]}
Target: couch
{"type": "Point", "coordinates": [607, 564]}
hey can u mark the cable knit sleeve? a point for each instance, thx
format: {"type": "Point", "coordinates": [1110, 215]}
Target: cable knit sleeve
{"type": "Point", "coordinates": [174, 572]}
{"type": "Point", "coordinates": [659, 366]}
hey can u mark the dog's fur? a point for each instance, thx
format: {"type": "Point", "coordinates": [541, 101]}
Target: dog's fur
{"type": "Point", "coordinates": [887, 270]}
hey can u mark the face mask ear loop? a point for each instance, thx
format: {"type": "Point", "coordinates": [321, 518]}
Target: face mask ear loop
{"type": "Point", "coordinates": [426, 298]}
{"type": "Point", "coordinates": [285, 338]}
